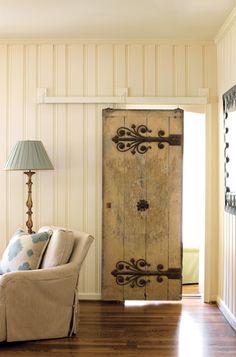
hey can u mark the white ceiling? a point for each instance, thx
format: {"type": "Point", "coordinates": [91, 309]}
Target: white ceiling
{"type": "Point", "coordinates": [117, 19]}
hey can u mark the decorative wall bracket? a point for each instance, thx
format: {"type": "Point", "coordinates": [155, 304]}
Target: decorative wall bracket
{"type": "Point", "coordinates": [135, 273]}
{"type": "Point", "coordinates": [134, 139]}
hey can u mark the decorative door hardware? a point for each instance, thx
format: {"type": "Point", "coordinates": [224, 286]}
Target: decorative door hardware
{"type": "Point", "coordinates": [142, 205]}
{"type": "Point", "coordinates": [134, 273]}
{"type": "Point", "coordinates": [229, 107]}
{"type": "Point", "coordinates": [133, 139]}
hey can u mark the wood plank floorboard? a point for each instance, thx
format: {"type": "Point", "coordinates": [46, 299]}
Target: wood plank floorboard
{"type": "Point", "coordinates": [185, 329]}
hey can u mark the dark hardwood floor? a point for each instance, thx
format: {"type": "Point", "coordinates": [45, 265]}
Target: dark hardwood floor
{"type": "Point", "coordinates": [185, 329]}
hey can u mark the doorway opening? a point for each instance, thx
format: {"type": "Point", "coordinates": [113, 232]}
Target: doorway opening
{"type": "Point", "coordinates": [193, 204]}
{"type": "Point", "coordinates": [194, 197]}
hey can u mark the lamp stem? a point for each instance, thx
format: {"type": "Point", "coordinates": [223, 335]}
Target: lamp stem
{"type": "Point", "coordinates": [29, 202]}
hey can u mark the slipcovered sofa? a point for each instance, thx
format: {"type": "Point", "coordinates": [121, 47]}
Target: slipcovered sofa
{"type": "Point", "coordinates": [42, 303]}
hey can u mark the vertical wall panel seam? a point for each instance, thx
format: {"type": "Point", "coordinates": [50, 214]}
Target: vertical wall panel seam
{"type": "Point", "coordinates": [126, 66]}
{"type": "Point", "coordinates": [24, 131]}
{"type": "Point", "coordinates": [85, 183]}
{"type": "Point", "coordinates": [204, 69]}
{"type": "Point", "coordinates": [24, 118]}
{"type": "Point", "coordinates": [67, 161]}
{"type": "Point", "coordinates": [224, 260]}
{"type": "Point", "coordinates": [174, 72]}
{"type": "Point", "coordinates": [230, 55]}
{"type": "Point", "coordinates": [98, 88]}
{"type": "Point", "coordinates": [144, 81]}
{"type": "Point", "coordinates": [7, 137]}
{"type": "Point", "coordinates": [115, 74]}
{"type": "Point", "coordinates": [98, 254]}
{"type": "Point", "coordinates": [233, 268]}
{"type": "Point", "coordinates": [68, 114]}
{"type": "Point", "coordinates": [86, 88]}
{"type": "Point", "coordinates": [231, 264]}
{"type": "Point", "coordinates": [85, 85]}
{"type": "Point", "coordinates": [228, 263]}
{"type": "Point", "coordinates": [114, 89]}
{"type": "Point", "coordinates": [157, 69]}
{"type": "Point", "coordinates": [4, 112]}
{"type": "Point", "coordinates": [37, 118]}
{"type": "Point", "coordinates": [84, 160]}
{"type": "Point", "coordinates": [228, 243]}
{"type": "Point", "coordinates": [96, 70]}
{"type": "Point", "coordinates": [85, 67]}
{"type": "Point", "coordinates": [55, 135]}
{"type": "Point", "coordinates": [187, 70]}
{"type": "Point", "coordinates": [85, 170]}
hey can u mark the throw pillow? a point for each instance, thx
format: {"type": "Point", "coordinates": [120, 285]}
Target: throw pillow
{"type": "Point", "coordinates": [59, 248]}
{"type": "Point", "coordinates": [24, 251]}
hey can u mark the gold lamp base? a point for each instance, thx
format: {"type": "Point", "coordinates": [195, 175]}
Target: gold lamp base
{"type": "Point", "coordinates": [29, 202]}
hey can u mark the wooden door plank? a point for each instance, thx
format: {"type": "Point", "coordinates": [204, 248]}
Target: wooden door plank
{"type": "Point", "coordinates": [135, 221]}
{"type": "Point", "coordinates": [175, 204]}
{"type": "Point", "coordinates": [157, 244]}
{"type": "Point", "coordinates": [113, 207]}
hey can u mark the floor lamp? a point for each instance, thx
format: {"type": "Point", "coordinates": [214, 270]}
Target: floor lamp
{"type": "Point", "coordinates": [29, 155]}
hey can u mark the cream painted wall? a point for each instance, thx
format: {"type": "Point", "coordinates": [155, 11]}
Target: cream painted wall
{"type": "Point", "coordinates": [226, 57]}
{"type": "Point", "coordinates": [71, 195]}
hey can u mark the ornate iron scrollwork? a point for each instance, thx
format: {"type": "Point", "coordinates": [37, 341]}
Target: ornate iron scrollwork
{"type": "Point", "coordinates": [133, 139]}
{"type": "Point", "coordinates": [142, 205]}
{"type": "Point", "coordinates": [229, 106]}
{"type": "Point", "coordinates": [135, 273]}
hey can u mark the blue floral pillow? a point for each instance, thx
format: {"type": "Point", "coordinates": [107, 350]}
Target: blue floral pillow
{"type": "Point", "coordinates": [24, 251]}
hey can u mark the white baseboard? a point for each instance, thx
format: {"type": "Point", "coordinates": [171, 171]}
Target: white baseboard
{"type": "Point", "coordinates": [227, 313]}
{"type": "Point", "coordinates": [90, 296]}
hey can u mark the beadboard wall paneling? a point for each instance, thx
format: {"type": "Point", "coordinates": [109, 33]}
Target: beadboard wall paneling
{"type": "Point", "coordinates": [3, 142]}
{"type": "Point", "coordinates": [165, 69]}
{"type": "Point", "coordinates": [226, 58]}
{"type": "Point", "coordinates": [71, 195]}
{"type": "Point", "coordinates": [15, 128]}
{"type": "Point", "coordinates": [180, 72]}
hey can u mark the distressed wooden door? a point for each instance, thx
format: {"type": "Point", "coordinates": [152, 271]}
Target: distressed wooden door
{"type": "Point", "coordinates": [142, 204]}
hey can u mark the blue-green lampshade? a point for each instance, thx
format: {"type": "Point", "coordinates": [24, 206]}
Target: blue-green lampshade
{"type": "Point", "coordinates": [28, 155]}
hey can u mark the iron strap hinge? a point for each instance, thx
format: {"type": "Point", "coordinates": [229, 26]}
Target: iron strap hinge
{"type": "Point", "coordinates": [133, 139]}
{"type": "Point", "coordinates": [135, 273]}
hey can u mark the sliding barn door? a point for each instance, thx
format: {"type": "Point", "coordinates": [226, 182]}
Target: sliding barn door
{"type": "Point", "coordinates": [142, 204]}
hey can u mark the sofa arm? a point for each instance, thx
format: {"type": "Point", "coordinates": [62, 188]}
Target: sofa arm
{"type": "Point", "coordinates": [39, 303]}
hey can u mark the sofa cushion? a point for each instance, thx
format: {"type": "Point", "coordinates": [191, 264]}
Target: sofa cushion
{"type": "Point", "coordinates": [24, 251]}
{"type": "Point", "coordinates": [59, 248]}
